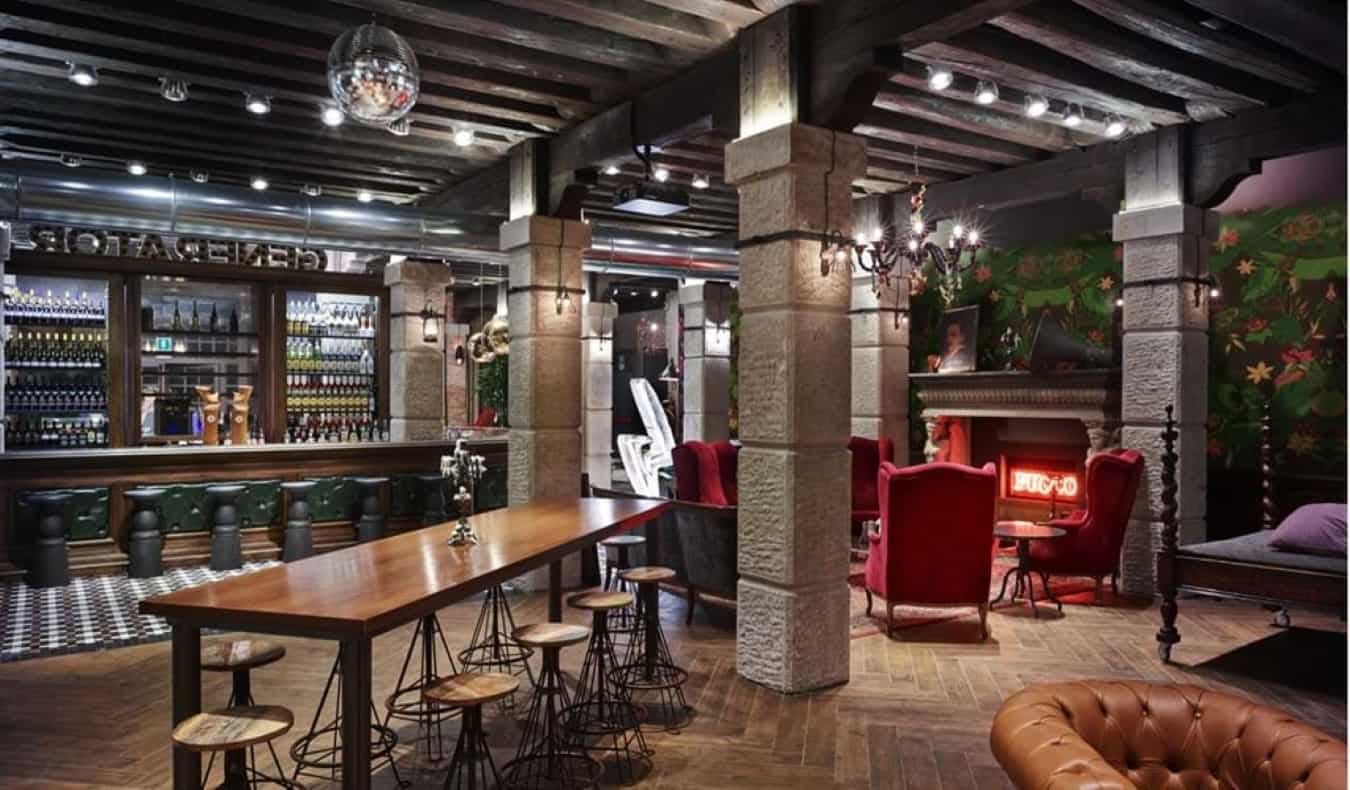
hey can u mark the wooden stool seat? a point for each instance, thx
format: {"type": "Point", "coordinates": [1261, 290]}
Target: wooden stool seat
{"type": "Point", "coordinates": [468, 689]}
{"type": "Point", "coordinates": [232, 655]}
{"type": "Point", "coordinates": [602, 601]}
{"type": "Point", "coordinates": [623, 540]}
{"type": "Point", "coordinates": [550, 634]}
{"type": "Point", "coordinates": [228, 729]}
{"type": "Point", "coordinates": [644, 574]}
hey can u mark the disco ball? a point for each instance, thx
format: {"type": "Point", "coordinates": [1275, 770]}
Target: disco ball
{"type": "Point", "coordinates": [373, 75]}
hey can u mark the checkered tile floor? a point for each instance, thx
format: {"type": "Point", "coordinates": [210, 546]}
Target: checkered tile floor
{"type": "Point", "coordinates": [91, 613]}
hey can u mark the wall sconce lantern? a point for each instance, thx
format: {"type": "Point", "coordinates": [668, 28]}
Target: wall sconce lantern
{"type": "Point", "coordinates": [431, 324]}
{"type": "Point", "coordinates": [459, 355]}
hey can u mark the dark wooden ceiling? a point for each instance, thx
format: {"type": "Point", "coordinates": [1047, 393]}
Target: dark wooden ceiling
{"type": "Point", "coordinates": [514, 69]}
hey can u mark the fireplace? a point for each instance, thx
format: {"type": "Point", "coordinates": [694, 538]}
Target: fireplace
{"type": "Point", "coordinates": [1038, 430]}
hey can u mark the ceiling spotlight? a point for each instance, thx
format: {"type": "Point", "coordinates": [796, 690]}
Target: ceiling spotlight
{"type": "Point", "coordinates": [257, 103]}
{"type": "Point", "coordinates": [939, 77]}
{"type": "Point", "coordinates": [700, 182]}
{"type": "Point", "coordinates": [173, 90]}
{"type": "Point", "coordinates": [986, 92]}
{"type": "Point", "coordinates": [661, 174]}
{"type": "Point", "coordinates": [463, 137]}
{"type": "Point", "coordinates": [611, 170]}
{"type": "Point", "coordinates": [259, 183]}
{"type": "Point", "coordinates": [364, 196]}
{"type": "Point", "coordinates": [1036, 105]}
{"type": "Point", "coordinates": [71, 160]}
{"type": "Point", "coordinates": [400, 128]}
{"type": "Point", "coordinates": [655, 293]}
{"type": "Point", "coordinates": [83, 74]}
{"type": "Point", "coordinates": [1073, 116]}
{"type": "Point", "coordinates": [1115, 125]}
{"type": "Point", "coordinates": [332, 116]}
{"type": "Point", "coordinates": [200, 176]}
{"type": "Point", "coordinates": [136, 167]}
{"type": "Point", "coordinates": [311, 190]}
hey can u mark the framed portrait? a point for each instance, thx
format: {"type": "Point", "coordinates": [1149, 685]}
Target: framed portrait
{"type": "Point", "coordinates": [956, 340]}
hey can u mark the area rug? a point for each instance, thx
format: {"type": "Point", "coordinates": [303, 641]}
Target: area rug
{"type": "Point", "coordinates": [92, 612]}
{"type": "Point", "coordinates": [1067, 589]}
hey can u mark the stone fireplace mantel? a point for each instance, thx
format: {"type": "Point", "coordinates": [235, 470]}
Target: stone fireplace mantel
{"type": "Point", "coordinates": [1090, 396]}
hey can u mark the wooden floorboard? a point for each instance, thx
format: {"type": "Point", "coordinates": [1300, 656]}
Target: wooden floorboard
{"type": "Point", "coordinates": [915, 714]}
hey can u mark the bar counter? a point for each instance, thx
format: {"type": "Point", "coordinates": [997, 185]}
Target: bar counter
{"type": "Point", "coordinates": [98, 514]}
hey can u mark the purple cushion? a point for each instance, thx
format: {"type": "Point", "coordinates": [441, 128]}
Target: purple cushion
{"type": "Point", "coordinates": [1313, 529]}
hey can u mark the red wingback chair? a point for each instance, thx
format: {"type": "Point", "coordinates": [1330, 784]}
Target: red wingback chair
{"type": "Point", "coordinates": [1091, 546]}
{"type": "Point", "coordinates": [706, 472]}
{"type": "Point", "coordinates": [868, 455]}
{"type": "Point", "coordinates": [487, 416]}
{"type": "Point", "coordinates": [937, 526]}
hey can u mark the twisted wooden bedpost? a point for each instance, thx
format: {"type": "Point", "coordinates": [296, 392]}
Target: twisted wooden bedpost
{"type": "Point", "coordinates": [1166, 560]}
{"type": "Point", "coordinates": [1267, 470]}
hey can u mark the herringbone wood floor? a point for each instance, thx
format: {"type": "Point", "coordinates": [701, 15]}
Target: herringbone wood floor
{"type": "Point", "coordinates": [915, 713]}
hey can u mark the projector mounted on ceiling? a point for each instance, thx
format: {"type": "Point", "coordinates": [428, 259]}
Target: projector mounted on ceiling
{"type": "Point", "coordinates": [648, 196]}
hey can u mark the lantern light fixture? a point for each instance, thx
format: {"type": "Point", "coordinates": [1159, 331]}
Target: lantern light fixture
{"type": "Point", "coordinates": [258, 103]}
{"type": "Point", "coordinates": [661, 173]}
{"type": "Point", "coordinates": [459, 355]}
{"type": "Point", "coordinates": [939, 77]}
{"type": "Point", "coordinates": [83, 74]}
{"type": "Point", "coordinates": [1036, 105]}
{"type": "Point", "coordinates": [431, 326]}
{"type": "Point", "coordinates": [986, 92]}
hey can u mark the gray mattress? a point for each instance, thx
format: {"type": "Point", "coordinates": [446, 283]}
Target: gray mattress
{"type": "Point", "coordinates": [1253, 547]}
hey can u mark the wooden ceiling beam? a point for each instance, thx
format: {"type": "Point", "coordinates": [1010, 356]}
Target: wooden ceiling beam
{"type": "Point", "coordinates": [1080, 34]}
{"type": "Point", "coordinates": [1004, 125]}
{"type": "Point", "coordinates": [937, 160]}
{"type": "Point", "coordinates": [926, 134]}
{"type": "Point", "coordinates": [1168, 25]}
{"type": "Point", "coordinates": [529, 29]}
{"type": "Point", "coordinates": [1310, 27]}
{"type": "Point", "coordinates": [735, 13]}
{"type": "Point", "coordinates": [636, 19]}
{"type": "Point", "coordinates": [997, 55]}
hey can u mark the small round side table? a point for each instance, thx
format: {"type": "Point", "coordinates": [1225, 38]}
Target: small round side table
{"type": "Point", "coordinates": [1024, 532]}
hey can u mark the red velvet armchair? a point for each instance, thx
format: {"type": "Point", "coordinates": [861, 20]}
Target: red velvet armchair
{"type": "Point", "coordinates": [705, 518]}
{"type": "Point", "coordinates": [937, 527]}
{"type": "Point", "coordinates": [706, 472]}
{"type": "Point", "coordinates": [1094, 536]}
{"type": "Point", "coordinates": [868, 455]}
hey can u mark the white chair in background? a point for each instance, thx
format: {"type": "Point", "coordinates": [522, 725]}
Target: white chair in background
{"type": "Point", "coordinates": [644, 456]}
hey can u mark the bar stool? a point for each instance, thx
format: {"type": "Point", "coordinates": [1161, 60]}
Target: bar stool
{"type": "Point", "coordinates": [227, 551]}
{"type": "Point", "coordinates": [602, 717]}
{"type": "Point", "coordinates": [299, 542]}
{"type": "Point", "coordinates": [145, 547]}
{"type": "Point", "coordinates": [432, 490]}
{"type": "Point", "coordinates": [320, 749]}
{"type": "Point", "coordinates": [648, 669]}
{"type": "Point", "coordinates": [234, 730]}
{"type": "Point", "coordinates": [409, 701]}
{"type": "Point", "coordinates": [546, 758]}
{"type": "Point", "coordinates": [371, 524]}
{"type": "Point", "coordinates": [51, 558]}
{"type": "Point", "coordinates": [238, 656]}
{"type": "Point", "coordinates": [471, 766]}
{"type": "Point", "coordinates": [623, 623]}
{"type": "Point", "coordinates": [491, 649]}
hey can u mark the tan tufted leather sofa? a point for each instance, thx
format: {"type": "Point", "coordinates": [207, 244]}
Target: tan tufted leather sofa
{"type": "Point", "coordinates": [1109, 735]}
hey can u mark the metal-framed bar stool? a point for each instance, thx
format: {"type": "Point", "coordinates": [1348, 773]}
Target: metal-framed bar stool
{"type": "Point", "coordinates": [227, 550]}
{"type": "Point", "coordinates": [471, 765]}
{"type": "Point", "coordinates": [51, 556]}
{"type": "Point", "coordinates": [145, 546]}
{"type": "Point", "coordinates": [236, 730]}
{"type": "Point", "coordinates": [602, 717]}
{"type": "Point", "coordinates": [491, 649]}
{"type": "Point", "coordinates": [623, 623]}
{"type": "Point", "coordinates": [648, 671]}
{"type": "Point", "coordinates": [318, 753]}
{"type": "Point", "coordinates": [370, 526]}
{"type": "Point", "coordinates": [299, 536]}
{"type": "Point", "coordinates": [408, 702]}
{"type": "Point", "coordinates": [545, 758]}
{"type": "Point", "coordinates": [238, 657]}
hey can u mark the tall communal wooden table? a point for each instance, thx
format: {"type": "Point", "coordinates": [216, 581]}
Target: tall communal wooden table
{"type": "Point", "coordinates": [355, 594]}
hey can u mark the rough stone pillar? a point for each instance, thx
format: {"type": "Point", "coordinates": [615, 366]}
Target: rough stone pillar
{"type": "Point", "coordinates": [597, 391]}
{"type": "Point", "coordinates": [1165, 341]}
{"type": "Point", "coordinates": [880, 336]}
{"type": "Point", "coordinates": [416, 368]}
{"type": "Point", "coordinates": [544, 402]}
{"type": "Point", "coordinates": [792, 598]}
{"type": "Point", "coordinates": [706, 382]}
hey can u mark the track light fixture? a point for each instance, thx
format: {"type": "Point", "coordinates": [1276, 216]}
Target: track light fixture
{"type": "Point", "coordinates": [661, 174]}
{"type": "Point", "coordinates": [1115, 125]}
{"type": "Point", "coordinates": [311, 190]}
{"type": "Point", "coordinates": [83, 74]}
{"type": "Point", "coordinates": [259, 183]}
{"type": "Point", "coordinates": [700, 181]}
{"type": "Point", "coordinates": [136, 167]}
{"type": "Point", "coordinates": [331, 115]}
{"type": "Point", "coordinates": [611, 170]}
{"type": "Point", "coordinates": [400, 128]}
{"type": "Point", "coordinates": [365, 196]}
{"type": "Point", "coordinates": [463, 137]}
{"type": "Point", "coordinates": [1073, 116]}
{"type": "Point", "coordinates": [1036, 105]}
{"type": "Point", "coordinates": [939, 77]}
{"type": "Point", "coordinates": [258, 103]}
{"type": "Point", "coordinates": [986, 92]}
{"type": "Point", "coordinates": [200, 176]}
{"type": "Point", "coordinates": [173, 90]}
{"type": "Point", "coordinates": [71, 160]}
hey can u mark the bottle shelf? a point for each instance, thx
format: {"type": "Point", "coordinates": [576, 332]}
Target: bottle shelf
{"type": "Point", "coordinates": [54, 412]}
{"type": "Point", "coordinates": [328, 372]}
{"type": "Point", "coordinates": [197, 333]}
{"type": "Point", "coordinates": [9, 363]}
{"type": "Point", "coordinates": [202, 354]}
{"type": "Point", "coordinates": [312, 336]}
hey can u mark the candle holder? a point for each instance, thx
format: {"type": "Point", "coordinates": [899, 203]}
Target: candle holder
{"type": "Point", "coordinates": [464, 469]}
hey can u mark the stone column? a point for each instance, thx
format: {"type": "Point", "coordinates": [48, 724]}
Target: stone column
{"type": "Point", "coordinates": [1165, 341]}
{"type": "Point", "coordinates": [792, 598]}
{"type": "Point", "coordinates": [416, 368]}
{"type": "Point", "coordinates": [544, 447]}
{"type": "Point", "coordinates": [706, 382]}
{"type": "Point", "coordinates": [880, 363]}
{"type": "Point", "coordinates": [597, 391]}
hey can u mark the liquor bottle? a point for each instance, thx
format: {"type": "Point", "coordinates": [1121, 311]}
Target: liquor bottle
{"type": "Point", "coordinates": [215, 319]}
{"type": "Point", "coordinates": [196, 320]}
{"type": "Point", "coordinates": [177, 325]}
{"type": "Point", "coordinates": [234, 320]}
